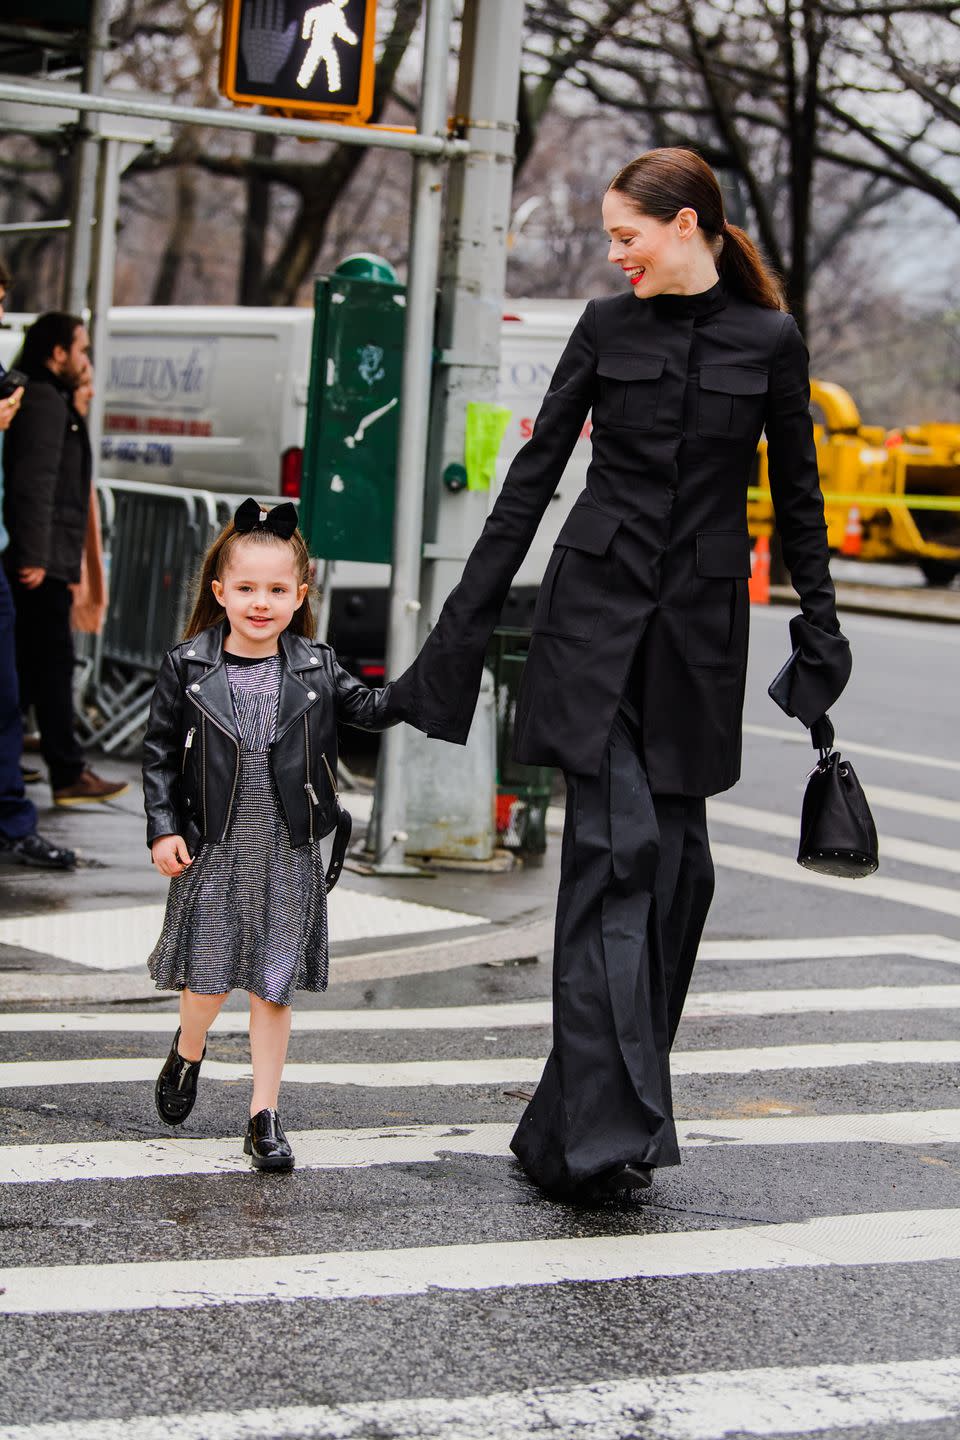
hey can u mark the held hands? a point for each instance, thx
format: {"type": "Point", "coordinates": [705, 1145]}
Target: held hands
{"type": "Point", "coordinates": [170, 855]}
{"type": "Point", "coordinates": [31, 576]}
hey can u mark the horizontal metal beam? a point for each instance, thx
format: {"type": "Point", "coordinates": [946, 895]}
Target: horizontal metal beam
{"type": "Point", "coordinates": [33, 227]}
{"type": "Point", "coordinates": [364, 136]}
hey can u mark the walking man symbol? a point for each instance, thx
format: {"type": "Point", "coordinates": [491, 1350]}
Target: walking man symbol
{"type": "Point", "coordinates": [323, 26]}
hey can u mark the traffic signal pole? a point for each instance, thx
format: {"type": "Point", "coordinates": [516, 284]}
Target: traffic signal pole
{"type": "Point", "coordinates": [404, 604]}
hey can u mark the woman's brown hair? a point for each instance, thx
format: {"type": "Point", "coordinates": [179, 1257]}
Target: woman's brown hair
{"type": "Point", "coordinates": [663, 182]}
{"type": "Point", "coordinates": [208, 611]}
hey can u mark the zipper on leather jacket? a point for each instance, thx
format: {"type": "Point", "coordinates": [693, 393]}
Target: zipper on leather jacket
{"type": "Point", "coordinates": [308, 787]}
{"type": "Point", "coordinates": [330, 776]}
{"type": "Point", "coordinates": [186, 746]}
{"type": "Point", "coordinates": [236, 771]}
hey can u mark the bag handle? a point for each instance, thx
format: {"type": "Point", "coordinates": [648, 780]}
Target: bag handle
{"type": "Point", "coordinates": [822, 735]}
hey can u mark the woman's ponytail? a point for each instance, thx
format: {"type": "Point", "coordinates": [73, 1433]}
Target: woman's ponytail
{"type": "Point", "coordinates": [743, 270]}
{"type": "Point", "coordinates": [663, 182]}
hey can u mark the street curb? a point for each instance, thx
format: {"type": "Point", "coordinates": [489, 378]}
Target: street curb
{"type": "Point", "coordinates": [896, 606]}
{"type": "Point", "coordinates": [494, 947]}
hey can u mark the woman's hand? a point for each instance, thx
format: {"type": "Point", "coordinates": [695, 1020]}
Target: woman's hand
{"type": "Point", "coordinates": [9, 408]}
{"type": "Point", "coordinates": [31, 576]}
{"type": "Point", "coordinates": [170, 855]}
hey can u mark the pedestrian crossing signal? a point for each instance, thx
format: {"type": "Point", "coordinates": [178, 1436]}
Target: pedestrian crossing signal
{"type": "Point", "coordinates": [310, 57]}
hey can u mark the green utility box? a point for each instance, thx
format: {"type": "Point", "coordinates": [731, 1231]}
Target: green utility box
{"type": "Point", "coordinates": [523, 791]}
{"type": "Point", "coordinates": [353, 412]}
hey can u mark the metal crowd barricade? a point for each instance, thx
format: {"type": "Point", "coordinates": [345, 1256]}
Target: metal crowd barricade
{"type": "Point", "coordinates": [154, 539]}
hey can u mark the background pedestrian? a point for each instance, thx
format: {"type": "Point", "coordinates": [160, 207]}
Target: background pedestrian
{"type": "Point", "coordinates": [20, 843]}
{"type": "Point", "coordinates": [239, 783]}
{"type": "Point", "coordinates": [48, 474]}
{"type": "Point", "coordinates": [90, 592]}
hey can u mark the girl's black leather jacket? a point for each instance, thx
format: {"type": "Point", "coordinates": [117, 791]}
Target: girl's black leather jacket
{"type": "Point", "coordinates": [191, 751]}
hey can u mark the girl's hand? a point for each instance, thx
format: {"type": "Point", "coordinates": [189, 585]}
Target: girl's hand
{"type": "Point", "coordinates": [170, 855]}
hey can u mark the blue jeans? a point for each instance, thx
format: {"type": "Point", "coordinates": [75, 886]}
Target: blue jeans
{"type": "Point", "coordinates": [18, 817]}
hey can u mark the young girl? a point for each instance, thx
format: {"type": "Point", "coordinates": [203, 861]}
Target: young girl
{"type": "Point", "coordinates": [239, 784]}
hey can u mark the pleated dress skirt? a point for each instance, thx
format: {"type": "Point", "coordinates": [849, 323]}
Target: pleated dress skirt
{"type": "Point", "coordinates": [251, 912]}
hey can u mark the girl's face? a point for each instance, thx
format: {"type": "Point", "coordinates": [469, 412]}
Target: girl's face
{"type": "Point", "coordinates": [655, 255]}
{"type": "Point", "coordinates": [260, 593]}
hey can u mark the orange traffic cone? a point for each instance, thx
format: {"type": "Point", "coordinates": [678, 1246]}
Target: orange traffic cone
{"type": "Point", "coordinates": [853, 534]}
{"type": "Point", "coordinates": [760, 572]}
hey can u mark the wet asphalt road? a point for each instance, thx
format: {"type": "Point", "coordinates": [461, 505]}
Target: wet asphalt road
{"type": "Point", "coordinates": [78, 1368]}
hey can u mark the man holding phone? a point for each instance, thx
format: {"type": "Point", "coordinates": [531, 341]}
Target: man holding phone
{"type": "Point", "coordinates": [19, 842]}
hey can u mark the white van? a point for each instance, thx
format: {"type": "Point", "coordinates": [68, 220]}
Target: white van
{"type": "Point", "coordinates": [215, 398]}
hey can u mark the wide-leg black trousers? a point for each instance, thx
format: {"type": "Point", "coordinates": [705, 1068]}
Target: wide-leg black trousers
{"type": "Point", "coordinates": [636, 882]}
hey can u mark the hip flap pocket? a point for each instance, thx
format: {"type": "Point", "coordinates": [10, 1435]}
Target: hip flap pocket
{"type": "Point", "coordinates": [628, 390]}
{"type": "Point", "coordinates": [731, 400]}
{"type": "Point", "coordinates": [717, 618]}
{"type": "Point", "coordinates": [723, 554]}
{"type": "Point", "coordinates": [577, 575]}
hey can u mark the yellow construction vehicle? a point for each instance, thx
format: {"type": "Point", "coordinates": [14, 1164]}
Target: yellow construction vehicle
{"type": "Point", "coordinates": [888, 494]}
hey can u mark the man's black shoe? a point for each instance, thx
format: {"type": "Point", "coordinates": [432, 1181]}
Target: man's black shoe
{"type": "Point", "coordinates": [176, 1087]}
{"type": "Point", "coordinates": [34, 850]}
{"type": "Point", "coordinates": [266, 1144]}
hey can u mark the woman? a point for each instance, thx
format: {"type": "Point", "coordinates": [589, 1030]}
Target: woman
{"type": "Point", "coordinates": [635, 679]}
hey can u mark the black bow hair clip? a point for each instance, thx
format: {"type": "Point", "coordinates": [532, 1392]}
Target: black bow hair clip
{"type": "Point", "coordinates": [280, 521]}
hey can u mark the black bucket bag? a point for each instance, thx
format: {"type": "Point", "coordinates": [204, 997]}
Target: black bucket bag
{"type": "Point", "coordinates": [837, 831]}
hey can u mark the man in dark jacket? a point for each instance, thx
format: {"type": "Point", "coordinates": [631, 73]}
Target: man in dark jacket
{"type": "Point", "coordinates": [47, 471]}
{"type": "Point", "coordinates": [20, 843]}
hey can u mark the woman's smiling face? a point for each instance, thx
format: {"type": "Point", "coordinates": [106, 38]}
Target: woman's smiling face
{"type": "Point", "coordinates": [651, 253]}
{"type": "Point", "coordinates": [260, 593]}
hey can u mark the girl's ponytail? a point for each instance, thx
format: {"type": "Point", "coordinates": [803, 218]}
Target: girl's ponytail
{"type": "Point", "coordinates": [663, 182]}
{"type": "Point", "coordinates": [743, 270]}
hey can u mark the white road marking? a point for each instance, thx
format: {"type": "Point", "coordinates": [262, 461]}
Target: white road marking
{"type": "Point", "coordinates": [907, 801]}
{"type": "Point", "coordinates": [121, 938]}
{"type": "Point", "coordinates": [856, 747]}
{"type": "Point", "coordinates": [701, 1405]}
{"type": "Point", "coordinates": [419, 1144]}
{"type": "Point", "coordinates": [874, 887]}
{"type": "Point", "coordinates": [892, 847]}
{"type": "Point", "coordinates": [890, 1238]}
{"type": "Point", "coordinates": [18, 1074]}
{"type": "Point", "coordinates": [701, 1004]}
{"type": "Point", "coordinates": [835, 947]}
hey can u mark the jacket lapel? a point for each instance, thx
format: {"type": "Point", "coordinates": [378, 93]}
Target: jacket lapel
{"type": "Point", "coordinates": [296, 697]}
{"type": "Point", "coordinates": [210, 691]}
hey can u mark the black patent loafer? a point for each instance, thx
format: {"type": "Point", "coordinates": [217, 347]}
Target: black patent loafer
{"type": "Point", "coordinates": [266, 1144]}
{"type": "Point", "coordinates": [177, 1085]}
{"type": "Point", "coordinates": [625, 1178]}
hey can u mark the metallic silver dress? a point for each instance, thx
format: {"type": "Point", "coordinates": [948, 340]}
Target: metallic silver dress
{"type": "Point", "coordinates": [250, 913]}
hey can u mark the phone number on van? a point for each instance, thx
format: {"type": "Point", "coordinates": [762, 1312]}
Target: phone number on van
{"type": "Point", "coordinates": [151, 452]}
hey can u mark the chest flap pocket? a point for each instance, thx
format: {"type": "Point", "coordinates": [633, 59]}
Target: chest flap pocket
{"type": "Point", "coordinates": [628, 390]}
{"type": "Point", "coordinates": [731, 400]}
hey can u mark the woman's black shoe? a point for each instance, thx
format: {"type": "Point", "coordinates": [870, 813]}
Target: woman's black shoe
{"type": "Point", "coordinates": [626, 1178]}
{"type": "Point", "coordinates": [177, 1085]}
{"type": "Point", "coordinates": [266, 1144]}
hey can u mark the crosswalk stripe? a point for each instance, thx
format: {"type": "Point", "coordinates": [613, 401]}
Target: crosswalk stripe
{"type": "Point", "coordinates": [898, 1237]}
{"type": "Point", "coordinates": [893, 847]}
{"type": "Point", "coordinates": [419, 1144]}
{"type": "Point", "coordinates": [874, 887]}
{"type": "Point", "coordinates": [700, 1405]}
{"type": "Point", "coordinates": [121, 937]}
{"type": "Point", "coordinates": [910, 803]}
{"type": "Point", "coordinates": [856, 747]}
{"type": "Point", "coordinates": [835, 947]}
{"type": "Point", "coordinates": [495, 1071]}
{"type": "Point", "coordinates": [700, 1005]}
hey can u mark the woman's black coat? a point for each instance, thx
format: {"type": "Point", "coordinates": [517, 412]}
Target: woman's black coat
{"type": "Point", "coordinates": [191, 751]}
{"type": "Point", "coordinates": [655, 549]}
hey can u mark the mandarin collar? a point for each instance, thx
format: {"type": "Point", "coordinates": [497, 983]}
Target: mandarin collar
{"type": "Point", "coordinates": [696, 307]}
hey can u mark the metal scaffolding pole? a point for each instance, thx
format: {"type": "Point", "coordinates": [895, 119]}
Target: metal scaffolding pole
{"type": "Point", "coordinates": [80, 248]}
{"type": "Point", "coordinates": [426, 215]}
{"type": "Point", "coordinates": [108, 202]}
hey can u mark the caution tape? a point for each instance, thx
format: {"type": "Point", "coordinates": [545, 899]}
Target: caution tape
{"type": "Point", "coordinates": [884, 502]}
